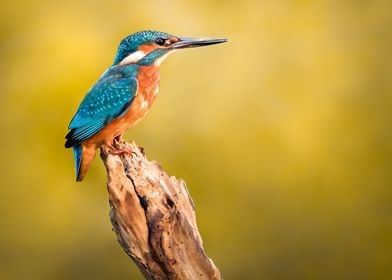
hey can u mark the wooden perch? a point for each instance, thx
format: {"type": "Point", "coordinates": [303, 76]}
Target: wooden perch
{"type": "Point", "coordinates": [154, 219]}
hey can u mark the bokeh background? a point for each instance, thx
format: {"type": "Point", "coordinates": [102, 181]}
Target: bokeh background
{"type": "Point", "coordinates": [283, 135]}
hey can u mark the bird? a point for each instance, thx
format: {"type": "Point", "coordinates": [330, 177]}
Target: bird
{"type": "Point", "coordinates": [123, 94]}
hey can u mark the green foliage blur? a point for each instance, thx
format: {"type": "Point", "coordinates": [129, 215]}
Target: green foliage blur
{"type": "Point", "coordinates": [283, 135]}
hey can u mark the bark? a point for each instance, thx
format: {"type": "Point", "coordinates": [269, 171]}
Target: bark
{"type": "Point", "coordinates": [154, 219]}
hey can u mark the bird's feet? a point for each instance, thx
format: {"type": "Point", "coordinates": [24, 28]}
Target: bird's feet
{"type": "Point", "coordinates": [118, 147]}
{"type": "Point", "coordinates": [121, 151]}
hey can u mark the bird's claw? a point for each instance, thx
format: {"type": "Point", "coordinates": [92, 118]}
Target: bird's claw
{"type": "Point", "coordinates": [121, 151]}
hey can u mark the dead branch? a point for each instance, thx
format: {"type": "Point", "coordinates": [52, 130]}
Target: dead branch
{"type": "Point", "coordinates": [153, 217]}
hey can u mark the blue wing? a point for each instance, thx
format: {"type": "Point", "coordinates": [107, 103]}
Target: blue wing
{"type": "Point", "coordinates": [107, 100]}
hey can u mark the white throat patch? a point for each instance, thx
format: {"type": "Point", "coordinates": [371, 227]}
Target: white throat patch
{"type": "Point", "coordinates": [163, 57]}
{"type": "Point", "coordinates": [132, 58]}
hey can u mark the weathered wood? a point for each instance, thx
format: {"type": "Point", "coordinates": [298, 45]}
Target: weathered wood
{"type": "Point", "coordinates": [153, 217]}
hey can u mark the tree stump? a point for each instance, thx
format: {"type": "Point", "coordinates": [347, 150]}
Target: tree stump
{"type": "Point", "coordinates": [154, 219]}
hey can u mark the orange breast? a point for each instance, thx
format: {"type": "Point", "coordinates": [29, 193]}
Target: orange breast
{"type": "Point", "coordinates": [148, 80]}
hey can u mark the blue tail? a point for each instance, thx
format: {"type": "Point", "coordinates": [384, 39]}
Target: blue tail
{"type": "Point", "coordinates": [78, 158]}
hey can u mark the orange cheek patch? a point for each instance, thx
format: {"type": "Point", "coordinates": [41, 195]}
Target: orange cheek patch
{"type": "Point", "coordinates": [172, 40]}
{"type": "Point", "coordinates": [147, 48]}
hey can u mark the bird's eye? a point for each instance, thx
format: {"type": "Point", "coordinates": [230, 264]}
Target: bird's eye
{"type": "Point", "coordinates": [160, 41]}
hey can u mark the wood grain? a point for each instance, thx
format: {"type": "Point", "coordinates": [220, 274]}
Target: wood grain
{"type": "Point", "coordinates": [154, 219]}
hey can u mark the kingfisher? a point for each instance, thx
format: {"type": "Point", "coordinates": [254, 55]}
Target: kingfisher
{"type": "Point", "coordinates": [123, 95]}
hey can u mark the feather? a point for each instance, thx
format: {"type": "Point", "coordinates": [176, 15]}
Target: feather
{"type": "Point", "coordinates": [78, 158]}
{"type": "Point", "coordinates": [108, 99]}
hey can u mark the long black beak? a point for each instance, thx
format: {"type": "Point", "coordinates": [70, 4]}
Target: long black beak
{"type": "Point", "coordinates": [196, 42]}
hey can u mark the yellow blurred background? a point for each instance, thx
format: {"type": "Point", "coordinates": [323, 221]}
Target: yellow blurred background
{"type": "Point", "coordinates": [283, 135]}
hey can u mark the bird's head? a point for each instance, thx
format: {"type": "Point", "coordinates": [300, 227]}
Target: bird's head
{"type": "Point", "coordinates": [152, 47]}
